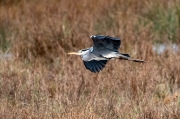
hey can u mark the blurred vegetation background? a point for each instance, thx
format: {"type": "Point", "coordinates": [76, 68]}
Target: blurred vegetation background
{"type": "Point", "coordinates": [36, 29]}
{"type": "Point", "coordinates": [42, 81]}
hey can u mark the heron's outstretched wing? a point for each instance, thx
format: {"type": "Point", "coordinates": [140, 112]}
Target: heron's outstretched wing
{"type": "Point", "coordinates": [95, 66]}
{"type": "Point", "coordinates": [106, 42]}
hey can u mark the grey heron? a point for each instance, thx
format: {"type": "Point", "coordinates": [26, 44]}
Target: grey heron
{"type": "Point", "coordinates": [104, 49]}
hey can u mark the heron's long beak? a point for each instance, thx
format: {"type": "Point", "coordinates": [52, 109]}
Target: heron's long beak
{"type": "Point", "coordinates": [74, 53]}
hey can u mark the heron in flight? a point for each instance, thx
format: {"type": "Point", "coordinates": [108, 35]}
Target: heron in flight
{"type": "Point", "coordinates": [104, 49]}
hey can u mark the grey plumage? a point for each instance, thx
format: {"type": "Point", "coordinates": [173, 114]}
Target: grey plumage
{"type": "Point", "coordinates": [104, 48]}
{"type": "Point", "coordinates": [95, 66]}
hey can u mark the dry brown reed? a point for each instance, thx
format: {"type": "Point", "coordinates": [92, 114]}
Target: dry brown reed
{"type": "Point", "coordinates": [42, 81]}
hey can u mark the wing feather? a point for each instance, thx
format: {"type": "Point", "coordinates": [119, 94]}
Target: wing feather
{"type": "Point", "coordinates": [106, 42]}
{"type": "Point", "coordinates": [95, 66]}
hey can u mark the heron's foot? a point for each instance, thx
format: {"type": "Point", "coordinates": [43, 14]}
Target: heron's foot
{"type": "Point", "coordinates": [138, 60]}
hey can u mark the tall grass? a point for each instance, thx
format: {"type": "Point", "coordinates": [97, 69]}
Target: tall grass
{"type": "Point", "coordinates": [42, 81]}
{"type": "Point", "coordinates": [4, 44]}
{"type": "Point", "coordinates": [165, 22]}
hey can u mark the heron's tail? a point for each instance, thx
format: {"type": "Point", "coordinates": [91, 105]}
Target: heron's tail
{"type": "Point", "coordinates": [127, 57]}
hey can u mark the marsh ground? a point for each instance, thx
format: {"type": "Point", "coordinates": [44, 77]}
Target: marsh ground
{"type": "Point", "coordinates": [42, 81]}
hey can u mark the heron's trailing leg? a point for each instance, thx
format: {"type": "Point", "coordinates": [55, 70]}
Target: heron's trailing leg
{"type": "Point", "coordinates": [137, 60]}
{"type": "Point", "coordinates": [127, 57]}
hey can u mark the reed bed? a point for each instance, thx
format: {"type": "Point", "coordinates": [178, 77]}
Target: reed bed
{"type": "Point", "coordinates": [42, 81]}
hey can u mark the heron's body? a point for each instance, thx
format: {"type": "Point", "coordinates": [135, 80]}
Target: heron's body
{"type": "Point", "coordinates": [90, 54]}
{"type": "Point", "coordinates": [105, 48]}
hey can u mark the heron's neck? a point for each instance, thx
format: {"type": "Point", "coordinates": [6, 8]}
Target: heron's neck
{"type": "Point", "coordinates": [84, 52]}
